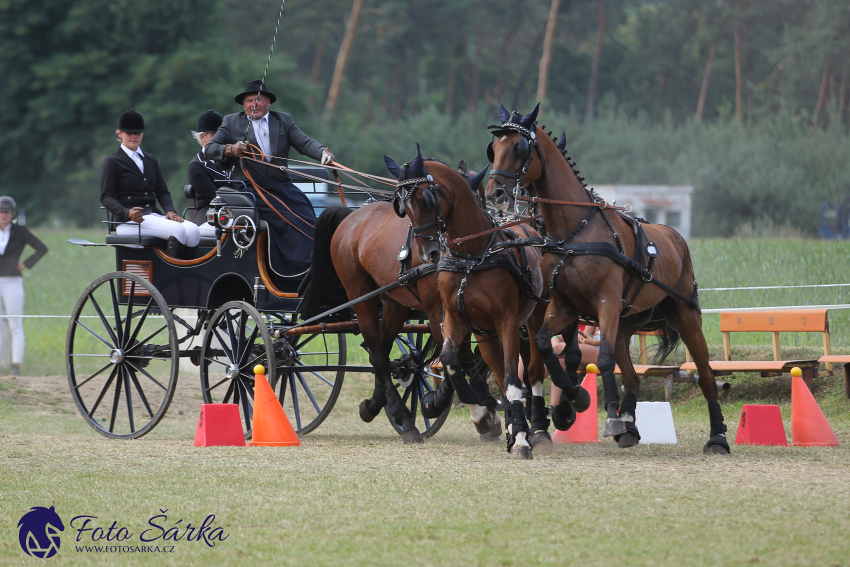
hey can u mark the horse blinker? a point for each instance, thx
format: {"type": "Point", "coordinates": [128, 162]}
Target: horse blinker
{"type": "Point", "coordinates": [398, 207]}
{"type": "Point", "coordinates": [429, 199]}
{"type": "Point", "coordinates": [522, 148]}
{"type": "Point", "coordinates": [491, 153]}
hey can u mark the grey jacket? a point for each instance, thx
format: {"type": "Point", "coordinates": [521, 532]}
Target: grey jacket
{"type": "Point", "coordinates": [283, 134]}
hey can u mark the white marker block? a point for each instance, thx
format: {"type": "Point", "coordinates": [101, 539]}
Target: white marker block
{"type": "Point", "coordinates": [655, 423]}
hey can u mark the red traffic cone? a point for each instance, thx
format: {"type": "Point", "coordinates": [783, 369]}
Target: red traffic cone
{"type": "Point", "coordinates": [809, 427]}
{"type": "Point", "coordinates": [270, 426]}
{"type": "Point", "coordinates": [586, 427]}
{"type": "Point", "coordinates": [219, 425]}
{"type": "Point", "coordinates": [761, 425]}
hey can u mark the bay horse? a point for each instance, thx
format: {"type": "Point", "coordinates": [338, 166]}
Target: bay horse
{"type": "Point", "coordinates": [360, 251]}
{"type": "Point", "coordinates": [490, 284]}
{"type": "Point", "coordinates": [605, 266]}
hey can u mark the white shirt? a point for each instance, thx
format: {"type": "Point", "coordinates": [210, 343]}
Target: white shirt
{"type": "Point", "coordinates": [135, 156]}
{"type": "Point", "coordinates": [261, 132]}
{"type": "Point", "coordinates": [4, 238]}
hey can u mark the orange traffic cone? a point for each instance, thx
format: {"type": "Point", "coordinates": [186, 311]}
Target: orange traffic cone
{"type": "Point", "coordinates": [586, 427]}
{"type": "Point", "coordinates": [270, 426]}
{"type": "Point", "coordinates": [809, 427]}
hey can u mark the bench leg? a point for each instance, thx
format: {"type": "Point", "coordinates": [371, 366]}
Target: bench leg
{"type": "Point", "coordinates": [847, 379]}
{"type": "Point", "coordinates": [668, 387]}
{"type": "Point", "coordinates": [809, 377]}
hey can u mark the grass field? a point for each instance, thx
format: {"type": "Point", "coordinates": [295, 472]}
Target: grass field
{"type": "Point", "coordinates": [353, 495]}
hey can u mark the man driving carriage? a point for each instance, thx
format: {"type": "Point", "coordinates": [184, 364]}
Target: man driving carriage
{"type": "Point", "coordinates": [272, 131]}
{"type": "Point", "coordinates": [286, 210]}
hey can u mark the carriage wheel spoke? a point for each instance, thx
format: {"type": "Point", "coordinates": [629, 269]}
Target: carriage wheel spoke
{"type": "Point", "coordinates": [283, 379]}
{"type": "Point", "coordinates": [247, 348]}
{"type": "Point", "coordinates": [115, 402]}
{"type": "Point", "coordinates": [308, 392]}
{"type": "Point", "coordinates": [129, 397]}
{"type": "Point", "coordinates": [247, 408]}
{"type": "Point", "coordinates": [231, 390]}
{"type": "Point", "coordinates": [144, 341]}
{"type": "Point", "coordinates": [103, 320]}
{"type": "Point", "coordinates": [103, 391]}
{"type": "Point", "coordinates": [116, 311]}
{"type": "Point", "coordinates": [319, 376]}
{"type": "Point", "coordinates": [304, 342]}
{"type": "Point", "coordinates": [217, 384]}
{"type": "Point", "coordinates": [139, 324]}
{"type": "Point", "coordinates": [234, 341]}
{"type": "Point", "coordinates": [227, 352]}
{"type": "Point", "coordinates": [81, 384]}
{"type": "Point", "coordinates": [295, 403]}
{"type": "Point", "coordinates": [98, 337]}
{"type": "Point", "coordinates": [129, 316]}
{"type": "Point", "coordinates": [148, 376]}
{"type": "Point", "coordinates": [140, 391]}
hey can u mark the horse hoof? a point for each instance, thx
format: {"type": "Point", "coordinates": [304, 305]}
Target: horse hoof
{"type": "Point", "coordinates": [520, 453]}
{"type": "Point", "coordinates": [541, 441]}
{"type": "Point", "coordinates": [563, 418]}
{"type": "Point", "coordinates": [614, 426]}
{"type": "Point", "coordinates": [493, 433]}
{"type": "Point", "coordinates": [627, 439]}
{"type": "Point", "coordinates": [581, 401]}
{"type": "Point", "coordinates": [410, 437]}
{"type": "Point", "coordinates": [717, 445]}
{"type": "Point", "coordinates": [366, 415]}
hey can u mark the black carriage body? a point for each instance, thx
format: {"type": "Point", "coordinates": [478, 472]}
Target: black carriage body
{"type": "Point", "coordinates": [226, 276]}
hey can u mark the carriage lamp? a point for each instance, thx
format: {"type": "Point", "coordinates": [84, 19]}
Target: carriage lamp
{"type": "Point", "coordinates": [224, 217]}
{"type": "Point", "coordinates": [212, 210]}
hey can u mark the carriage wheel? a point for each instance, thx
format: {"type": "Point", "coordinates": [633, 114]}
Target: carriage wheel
{"type": "Point", "coordinates": [122, 356]}
{"type": "Point", "coordinates": [308, 395]}
{"type": "Point", "coordinates": [237, 339]}
{"type": "Point", "coordinates": [412, 374]}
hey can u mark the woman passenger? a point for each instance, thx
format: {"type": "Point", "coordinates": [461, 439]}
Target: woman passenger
{"type": "Point", "coordinates": [204, 172]}
{"type": "Point", "coordinates": [131, 183]}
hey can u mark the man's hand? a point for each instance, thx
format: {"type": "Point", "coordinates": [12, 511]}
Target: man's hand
{"type": "Point", "coordinates": [21, 267]}
{"type": "Point", "coordinates": [173, 216]}
{"type": "Point", "coordinates": [327, 157]}
{"type": "Point", "coordinates": [234, 150]}
{"type": "Point", "coordinates": [136, 214]}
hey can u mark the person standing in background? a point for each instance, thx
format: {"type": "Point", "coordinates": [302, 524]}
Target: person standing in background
{"type": "Point", "coordinates": [13, 239]}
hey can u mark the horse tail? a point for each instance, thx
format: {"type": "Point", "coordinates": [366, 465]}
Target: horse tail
{"type": "Point", "coordinates": [322, 289]}
{"type": "Point", "coordinates": [670, 337]}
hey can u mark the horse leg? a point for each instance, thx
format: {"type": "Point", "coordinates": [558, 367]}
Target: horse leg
{"type": "Point", "coordinates": [392, 322]}
{"type": "Point", "coordinates": [540, 439]}
{"type": "Point", "coordinates": [515, 420]}
{"type": "Point", "coordinates": [628, 406]}
{"type": "Point", "coordinates": [689, 323]}
{"type": "Point", "coordinates": [557, 318]}
{"type": "Point", "coordinates": [484, 414]}
{"type": "Point", "coordinates": [367, 316]}
{"type": "Point", "coordinates": [609, 320]}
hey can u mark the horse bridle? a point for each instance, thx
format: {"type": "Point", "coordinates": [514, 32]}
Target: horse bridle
{"type": "Point", "coordinates": [525, 150]}
{"type": "Point", "coordinates": [431, 196]}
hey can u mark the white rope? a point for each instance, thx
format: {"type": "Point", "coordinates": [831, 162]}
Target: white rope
{"type": "Point", "coordinates": [773, 287]}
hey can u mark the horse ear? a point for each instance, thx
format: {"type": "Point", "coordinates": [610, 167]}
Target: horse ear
{"type": "Point", "coordinates": [392, 166]}
{"type": "Point", "coordinates": [479, 177]}
{"type": "Point", "coordinates": [417, 166]}
{"type": "Point", "coordinates": [504, 115]}
{"type": "Point", "coordinates": [562, 143]}
{"type": "Point", "coordinates": [528, 120]}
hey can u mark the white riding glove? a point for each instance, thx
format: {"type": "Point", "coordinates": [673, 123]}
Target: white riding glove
{"type": "Point", "coordinates": [327, 157]}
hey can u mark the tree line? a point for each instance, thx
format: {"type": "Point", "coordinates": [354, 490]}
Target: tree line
{"type": "Point", "coordinates": [648, 91]}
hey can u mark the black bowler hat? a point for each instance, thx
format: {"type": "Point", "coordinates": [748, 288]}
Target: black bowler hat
{"type": "Point", "coordinates": [131, 121]}
{"type": "Point", "coordinates": [209, 121]}
{"type": "Point", "coordinates": [254, 87]}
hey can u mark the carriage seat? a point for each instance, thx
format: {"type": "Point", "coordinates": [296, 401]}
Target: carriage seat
{"type": "Point", "coordinates": [134, 240]}
{"type": "Point", "coordinates": [242, 203]}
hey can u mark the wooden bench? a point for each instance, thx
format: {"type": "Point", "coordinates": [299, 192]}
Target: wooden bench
{"type": "Point", "coordinates": [670, 374]}
{"type": "Point", "coordinates": [774, 322]}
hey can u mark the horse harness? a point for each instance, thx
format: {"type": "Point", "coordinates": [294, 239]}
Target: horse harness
{"type": "Point", "coordinates": [459, 262]}
{"type": "Point", "coordinates": [645, 250]}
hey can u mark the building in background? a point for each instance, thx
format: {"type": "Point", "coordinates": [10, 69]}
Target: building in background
{"type": "Point", "coordinates": [658, 204]}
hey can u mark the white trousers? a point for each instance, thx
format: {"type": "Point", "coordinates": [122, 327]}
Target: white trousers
{"type": "Point", "coordinates": [156, 225]}
{"type": "Point", "coordinates": [207, 229]}
{"type": "Point", "coordinates": [12, 303]}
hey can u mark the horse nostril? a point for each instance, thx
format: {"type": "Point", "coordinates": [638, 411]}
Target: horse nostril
{"type": "Point", "coordinates": [499, 196]}
{"type": "Point", "coordinates": [433, 256]}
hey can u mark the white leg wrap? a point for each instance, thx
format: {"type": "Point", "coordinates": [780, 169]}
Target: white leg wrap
{"type": "Point", "coordinates": [514, 394]}
{"type": "Point", "coordinates": [537, 389]}
{"type": "Point", "coordinates": [627, 417]}
{"type": "Point", "coordinates": [478, 412]}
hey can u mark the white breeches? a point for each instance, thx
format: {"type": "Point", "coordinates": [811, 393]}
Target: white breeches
{"type": "Point", "coordinates": [186, 232]}
{"type": "Point", "coordinates": [12, 303]}
{"type": "Point", "coordinates": [207, 229]}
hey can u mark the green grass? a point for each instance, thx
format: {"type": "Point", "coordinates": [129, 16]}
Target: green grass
{"type": "Point", "coordinates": [353, 495]}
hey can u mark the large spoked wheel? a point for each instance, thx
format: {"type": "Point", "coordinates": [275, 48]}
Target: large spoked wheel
{"type": "Point", "coordinates": [412, 375]}
{"type": "Point", "coordinates": [122, 356]}
{"type": "Point", "coordinates": [309, 378]}
{"type": "Point", "coordinates": [237, 339]}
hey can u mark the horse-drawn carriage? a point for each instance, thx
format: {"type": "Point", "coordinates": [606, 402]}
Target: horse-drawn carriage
{"type": "Point", "coordinates": [131, 328]}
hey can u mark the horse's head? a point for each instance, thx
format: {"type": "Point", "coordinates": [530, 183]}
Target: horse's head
{"type": "Point", "coordinates": [38, 532]}
{"type": "Point", "coordinates": [426, 197]}
{"type": "Point", "coordinates": [512, 154]}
